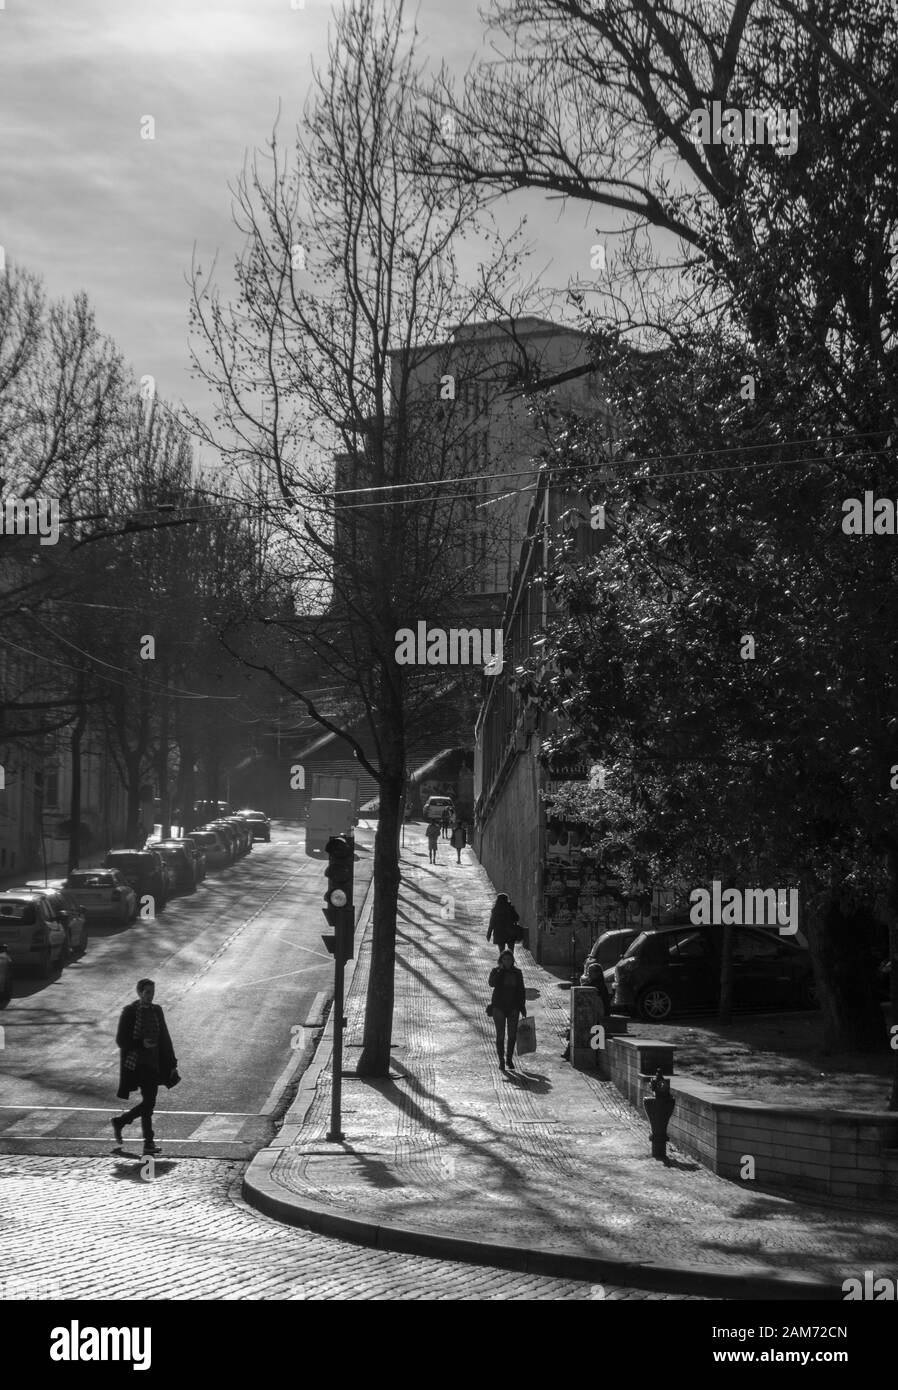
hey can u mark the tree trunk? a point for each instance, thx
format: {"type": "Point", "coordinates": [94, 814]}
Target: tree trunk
{"type": "Point", "coordinates": [132, 833]}
{"type": "Point", "coordinates": [378, 1035]}
{"type": "Point", "coordinates": [725, 1011]}
{"type": "Point", "coordinates": [891, 863]}
{"type": "Point", "coordinates": [75, 798]}
{"type": "Point", "coordinates": [186, 785]}
{"type": "Point", "coordinates": [852, 1021]}
{"type": "Point", "coordinates": [162, 772]}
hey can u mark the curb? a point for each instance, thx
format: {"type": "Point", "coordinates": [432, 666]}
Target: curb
{"type": "Point", "coordinates": [264, 1194]}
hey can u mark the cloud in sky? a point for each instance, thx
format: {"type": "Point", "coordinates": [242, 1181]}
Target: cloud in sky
{"type": "Point", "coordinates": [88, 204]}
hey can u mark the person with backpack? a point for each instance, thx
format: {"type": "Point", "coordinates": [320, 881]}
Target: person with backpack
{"type": "Point", "coordinates": [504, 928]}
{"type": "Point", "coordinates": [433, 834]}
{"type": "Point", "coordinates": [459, 838]}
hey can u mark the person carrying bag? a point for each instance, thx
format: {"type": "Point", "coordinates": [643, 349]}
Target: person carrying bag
{"type": "Point", "coordinates": [508, 1005]}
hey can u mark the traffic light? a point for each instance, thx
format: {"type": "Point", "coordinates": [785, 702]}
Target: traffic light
{"type": "Point", "coordinates": [340, 912]}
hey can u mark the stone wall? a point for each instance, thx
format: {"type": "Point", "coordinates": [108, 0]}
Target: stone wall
{"type": "Point", "coordinates": [846, 1153]}
{"type": "Point", "coordinates": [508, 845]}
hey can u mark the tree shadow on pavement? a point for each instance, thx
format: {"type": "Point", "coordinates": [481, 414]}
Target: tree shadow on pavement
{"type": "Point", "coordinates": [490, 1148]}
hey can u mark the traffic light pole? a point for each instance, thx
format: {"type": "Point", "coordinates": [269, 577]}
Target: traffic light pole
{"type": "Point", "coordinates": [335, 1135]}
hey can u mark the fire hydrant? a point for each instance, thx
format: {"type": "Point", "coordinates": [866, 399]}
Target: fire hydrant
{"type": "Point", "coordinates": [659, 1108]}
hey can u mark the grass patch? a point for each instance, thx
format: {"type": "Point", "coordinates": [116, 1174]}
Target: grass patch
{"type": "Point", "coordinates": [779, 1059]}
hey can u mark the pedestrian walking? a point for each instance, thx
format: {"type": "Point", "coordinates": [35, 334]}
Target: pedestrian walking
{"type": "Point", "coordinates": [447, 822]}
{"type": "Point", "coordinates": [459, 838]}
{"type": "Point", "coordinates": [504, 928]}
{"type": "Point", "coordinates": [433, 834]}
{"type": "Point", "coordinates": [147, 1060]}
{"type": "Point", "coordinates": [508, 1004]}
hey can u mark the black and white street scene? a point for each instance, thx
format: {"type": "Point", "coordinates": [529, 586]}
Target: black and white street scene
{"type": "Point", "coordinates": [448, 683]}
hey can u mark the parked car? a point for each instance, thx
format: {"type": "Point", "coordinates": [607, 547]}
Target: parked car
{"type": "Point", "coordinates": [176, 858]}
{"type": "Point", "coordinates": [211, 809]}
{"type": "Point", "coordinates": [228, 836]}
{"type": "Point", "coordinates": [31, 932]}
{"type": "Point", "coordinates": [608, 948]}
{"type": "Point", "coordinates": [67, 911]}
{"type": "Point", "coordinates": [673, 968]}
{"type": "Point", "coordinates": [239, 832]}
{"type": "Point", "coordinates": [258, 823]}
{"type": "Point", "coordinates": [147, 873]}
{"type": "Point", "coordinates": [105, 895]}
{"type": "Point", "coordinates": [215, 849]}
{"type": "Point", "coordinates": [191, 847]}
{"type": "Point", "coordinates": [434, 807]}
{"type": "Point", "coordinates": [243, 831]}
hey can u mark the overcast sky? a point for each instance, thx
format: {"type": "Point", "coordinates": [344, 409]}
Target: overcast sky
{"type": "Point", "coordinates": [88, 204]}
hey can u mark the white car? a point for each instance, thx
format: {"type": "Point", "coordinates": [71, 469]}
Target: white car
{"type": "Point", "coordinates": [105, 894]}
{"type": "Point", "coordinates": [30, 931]}
{"type": "Point", "coordinates": [434, 807]}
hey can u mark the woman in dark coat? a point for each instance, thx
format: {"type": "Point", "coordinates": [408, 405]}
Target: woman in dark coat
{"type": "Point", "coordinates": [508, 1004]}
{"type": "Point", "coordinates": [147, 1061]}
{"type": "Point", "coordinates": [503, 927]}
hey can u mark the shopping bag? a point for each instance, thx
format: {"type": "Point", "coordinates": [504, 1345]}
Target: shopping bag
{"type": "Point", "coordinates": [526, 1036]}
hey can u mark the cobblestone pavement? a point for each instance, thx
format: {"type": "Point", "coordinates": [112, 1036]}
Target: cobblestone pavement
{"type": "Point", "coordinates": [78, 1228]}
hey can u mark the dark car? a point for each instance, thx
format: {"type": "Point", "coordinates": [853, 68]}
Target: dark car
{"type": "Point", "coordinates": [673, 968]}
{"type": "Point", "coordinates": [146, 872]}
{"type": "Point", "coordinates": [66, 910]}
{"type": "Point", "coordinates": [211, 809]}
{"type": "Point", "coordinates": [610, 946]}
{"type": "Point", "coordinates": [227, 835]}
{"type": "Point", "coordinates": [258, 823]}
{"type": "Point", "coordinates": [191, 847]}
{"type": "Point", "coordinates": [216, 850]}
{"type": "Point", "coordinates": [181, 864]}
{"type": "Point", "coordinates": [243, 832]}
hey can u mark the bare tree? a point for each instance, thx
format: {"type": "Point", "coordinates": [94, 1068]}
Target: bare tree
{"type": "Point", "coordinates": [347, 285]}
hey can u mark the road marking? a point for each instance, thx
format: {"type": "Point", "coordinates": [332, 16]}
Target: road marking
{"type": "Point", "coordinates": [35, 1123]}
{"type": "Point", "coordinates": [218, 1126]}
{"type": "Point", "coordinates": [267, 979]}
{"type": "Point", "coordinates": [308, 949]}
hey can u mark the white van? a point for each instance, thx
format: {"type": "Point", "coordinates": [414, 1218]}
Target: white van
{"type": "Point", "coordinates": [328, 815]}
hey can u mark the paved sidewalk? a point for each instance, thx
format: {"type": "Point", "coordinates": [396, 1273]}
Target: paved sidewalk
{"type": "Point", "coordinates": [547, 1170]}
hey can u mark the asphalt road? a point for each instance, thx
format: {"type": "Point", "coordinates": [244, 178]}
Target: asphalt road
{"type": "Point", "coordinates": [239, 968]}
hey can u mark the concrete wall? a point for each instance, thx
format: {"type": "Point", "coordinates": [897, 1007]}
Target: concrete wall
{"type": "Point", "coordinates": [845, 1153]}
{"type": "Point", "coordinates": [509, 844]}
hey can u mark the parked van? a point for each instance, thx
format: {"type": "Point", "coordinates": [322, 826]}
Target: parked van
{"type": "Point", "coordinates": [328, 815]}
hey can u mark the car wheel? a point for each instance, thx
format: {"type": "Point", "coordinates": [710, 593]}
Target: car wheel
{"type": "Point", "coordinates": [654, 1004]}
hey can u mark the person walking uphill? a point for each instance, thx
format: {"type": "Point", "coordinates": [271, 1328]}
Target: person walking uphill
{"type": "Point", "coordinates": [433, 834]}
{"type": "Point", "coordinates": [504, 927]}
{"type": "Point", "coordinates": [508, 1004]}
{"type": "Point", "coordinates": [147, 1059]}
{"type": "Point", "coordinates": [459, 838]}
